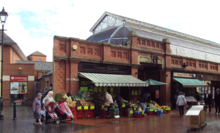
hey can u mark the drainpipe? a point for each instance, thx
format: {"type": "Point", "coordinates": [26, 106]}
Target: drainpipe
{"type": "Point", "coordinates": [69, 63]}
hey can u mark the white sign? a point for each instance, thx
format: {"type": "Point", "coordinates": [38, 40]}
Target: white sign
{"type": "Point", "coordinates": [14, 88]}
{"type": "Point", "coordinates": [187, 75]}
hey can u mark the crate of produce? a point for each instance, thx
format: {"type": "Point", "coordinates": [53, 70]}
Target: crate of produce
{"type": "Point", "coordinates": [104, 115]}
{"type": "Point", "coordinates": [150, 113]}
{"type": "Point", "coordinates": [137, 112]}
{"type": "Point", "coordinates": [139, 115]}
{"type": "Point", "coordinates": [160, 112]}
{"type": "Point", "coordinates": [89, 114]}
{"type": "Point", "coordinates": [80, 115]}
{"type": "Point", "coordinates": [130, 112]}
{"type": "Point", "coordinates": [104, 112]}
{"type": "Point", "coordinates": [149, 109]}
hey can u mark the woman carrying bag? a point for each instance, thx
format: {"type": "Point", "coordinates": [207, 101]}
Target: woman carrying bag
{"type": "Point", "coordinates": [181, 102]}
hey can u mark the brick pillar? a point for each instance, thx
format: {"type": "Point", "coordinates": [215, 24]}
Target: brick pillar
{"type": "Point", "coordinates": [165, 90]}
{"type": "Point", "coordinates": [74, 80]}
{"type": "Point", "coordinates": [166, 42]}
{"type": "Point", "coordinates": [134, 71]}
{"type": "Point", "coordinates": [106, 52]}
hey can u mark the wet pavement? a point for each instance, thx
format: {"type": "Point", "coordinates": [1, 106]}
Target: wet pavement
{"type": "Point", "coordinates": [169, 123]}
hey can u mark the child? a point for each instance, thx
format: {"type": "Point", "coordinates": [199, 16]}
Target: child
{"type": "Point", "coordinates": [51, 112]}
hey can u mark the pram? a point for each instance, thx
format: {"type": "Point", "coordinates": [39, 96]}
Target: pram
{"type": "Point", "coordinates": [64, 109]}
{"type": "Point", "coordinates": [50, 113]}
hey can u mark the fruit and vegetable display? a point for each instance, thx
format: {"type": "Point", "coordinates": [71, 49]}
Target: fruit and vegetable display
{"type": "Point", "coordinates": [84, 103]}
{"type": "Point", "coordinates": [57, 96]}
{"type": "Point", "coordinates": [61, 100]}
{"type": "Point", "coordinates": [70, 103]}
{"type": "Point", "coordinates": [67, 98]}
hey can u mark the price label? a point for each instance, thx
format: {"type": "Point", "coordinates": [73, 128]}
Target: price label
{"type": "Point", "coordinates": [167, 108]}
{"type": "Point", "coordinates": [123, 105]}
{"type": "Point", "coordinates": [86, 107]}
{"type": "Point", "coordinates": [142, 112]}
{"type": "Point", "coordinates": [151, 110]}
{"type": "Point", "coordinates": [79, 107]}
{"type": "Point", "coordinates": [155, 110]}
{"type": "Point", "coordinates": [113, 106]}
{"type": "Point", "coordinates": [161, 111]}
{"type": "Point", "coordinates": [92, 107]}
{"type": "Point", "coordinates": [103, 106]}
{"type": "Point", "coordinates": [134, 108]}
{"type": "Point", "coordinates": [131, 112]}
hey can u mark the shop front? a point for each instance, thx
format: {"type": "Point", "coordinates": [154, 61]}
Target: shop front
{"type": "Point", "coordinates": [19, 90]}
{"type": "Point", "coordinates": [213, 83]}
{"type": "Point", "coordinates": [186, 83]}
{"type": "Point", "coordinates": [111, 78]}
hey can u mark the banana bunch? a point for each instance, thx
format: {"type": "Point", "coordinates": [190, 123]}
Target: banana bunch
{"type": "Point", "coordinates": [84, 103]}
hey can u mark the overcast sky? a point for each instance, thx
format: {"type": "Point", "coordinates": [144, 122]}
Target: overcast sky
{"type": "Point", "coordinates": [33, 23]}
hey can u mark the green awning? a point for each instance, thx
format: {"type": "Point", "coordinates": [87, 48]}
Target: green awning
{"type": "Point", "coordinates": [114, 80]}
{"type": "Point", "coordinates": [190, 82]}
{"type": "Point", "coordinates": [154, 82]}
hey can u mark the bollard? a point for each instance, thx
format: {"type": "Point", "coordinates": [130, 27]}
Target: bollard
{"type": "Point", "coordinates": [14, 110]}
{"type": "Point", "coordinates": [1, 109]}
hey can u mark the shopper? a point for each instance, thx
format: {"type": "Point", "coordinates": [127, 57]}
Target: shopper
{"type": "Point", "coordinates": [48, 98]}
{"type": "Point", "coordinates": [208, 100]}
{"type": "Point", "coordinates": [109, 102]}
{"type": "Point", "coordinates": [198, 97]}
{"type": "Point", "coordinates": [36, 107]}
{"type": "Point", "coordinates": [143, 100]}
{"type": "Point", "coordinates": [181, 101]}
{"type": "Point", "coordinates": [119, 102]}
{"type": "Point", "coordinates": [217, 101]}
{"type": "Point", "coordinates": [96, 102]}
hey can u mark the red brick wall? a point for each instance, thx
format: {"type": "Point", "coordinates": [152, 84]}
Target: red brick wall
{"type": "Point", "coordinates": [12, 70]}
{"type": "Point", "coordinates": [36, 58]}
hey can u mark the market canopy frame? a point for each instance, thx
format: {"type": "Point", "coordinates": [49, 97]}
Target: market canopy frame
{"type": "Point", "coordinates": [154, 82]}
{"type": "Point", "coordinates": [114, 80]}
{"type": "Point", "coordinates": [190, 82]}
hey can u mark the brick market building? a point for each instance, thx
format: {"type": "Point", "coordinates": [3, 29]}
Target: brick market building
{"type": "Point", "coordinates": [20, 74]}
{"type": "Point", "coordinates": [124, 46]}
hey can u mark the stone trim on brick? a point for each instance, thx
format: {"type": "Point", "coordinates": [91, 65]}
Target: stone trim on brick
{"type": "Point", "coordinates": [6, 77]}
{"type": "Point", "coordinates": [30, 78]}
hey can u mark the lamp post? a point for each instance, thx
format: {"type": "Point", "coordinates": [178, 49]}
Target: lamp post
{"type": "Point", "coordinates": [3, 17]}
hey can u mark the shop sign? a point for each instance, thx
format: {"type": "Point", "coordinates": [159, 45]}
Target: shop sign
{"type": "Point", "coordinates": [14, 88]}
{"type": "Point", "coordinates": [102, 68]}
{"type": "Point", "coordinates": [157, 93]}
{"type": "Point", "coordinates": [208, 77]}
{"type": "Point", "coordinates": [18, 78]}
{"type": "Point", "coordinates": [186, 75]}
